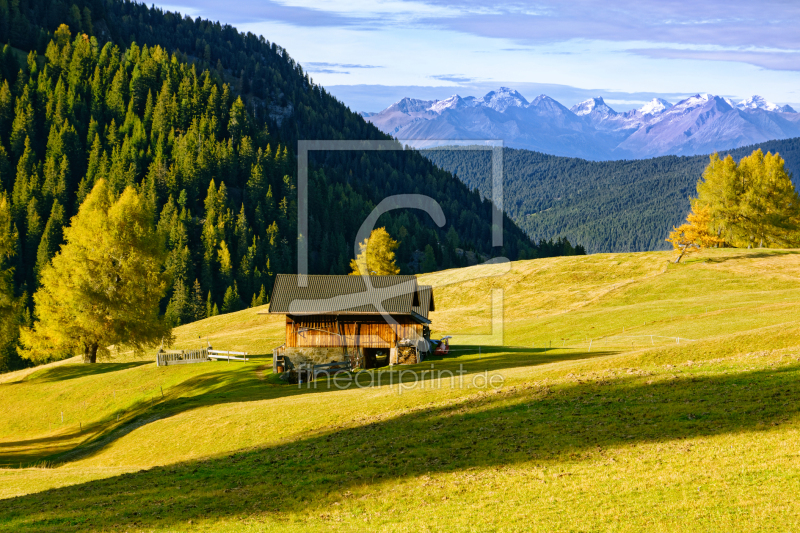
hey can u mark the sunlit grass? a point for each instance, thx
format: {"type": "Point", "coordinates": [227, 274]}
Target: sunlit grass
{"type": "Point", "coordinates": [636, 434]}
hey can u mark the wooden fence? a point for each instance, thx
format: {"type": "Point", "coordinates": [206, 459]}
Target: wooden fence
{"type": "Point", "coordinates": [181, 357]}
{"type": "Point", "coordinates": [278, 358]}
{"type": "Point", "coordinates": [202, 355]}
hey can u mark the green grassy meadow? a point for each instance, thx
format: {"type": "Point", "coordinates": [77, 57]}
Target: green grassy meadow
{"type": "Point", "coordinates": [636, 395]}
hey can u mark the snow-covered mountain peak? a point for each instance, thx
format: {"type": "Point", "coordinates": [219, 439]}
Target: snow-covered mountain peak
{"type": "Point", "coordinates": [593, 105]}
{"type": "Point", "coordinates": [502, 99]}
{"type": "Point", "coordinates": [701, 123]}
{"type": "Point", "coordinates": [654, 107]}
{"type": "Point", "coordinates": [454, 102]}
{"type": "Point", "coordinates": [411, 105]}
{"type": "Point", "coordinates": [692, 102]}
{"type": "Point", "coordinates": [757, 102]}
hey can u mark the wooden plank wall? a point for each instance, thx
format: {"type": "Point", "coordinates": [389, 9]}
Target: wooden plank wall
{"type": "Point", "coordinates": [316, 331]}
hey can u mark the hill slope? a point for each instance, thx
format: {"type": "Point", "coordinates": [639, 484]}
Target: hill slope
{"type": "Point", "coordinates": [706, 428]}
{"type": "Point", "coordinates": [205, 119]}
{"type": "Point", "coordinates": [611, 206]}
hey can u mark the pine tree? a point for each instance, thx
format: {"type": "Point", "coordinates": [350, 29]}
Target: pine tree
{"type": "Point", "coordinates": [179, 307]}
{"type": "Point", "coordinates": [210, 306]}
{"type": "Point", "coordinates": [33, 232]}
{"type": "Point", "coordinates": [6, 111]}
{"type": "Point", "coordinates": [232, 302]}
{"type": "Point", "coordinates": [115, 101]}
{"type": "Point", "coordinates": [51, 238]}
{"type": "Point", "coordinates": [104, 287]}
{"type": "Point", "coordinates": [259, 299]}
{"type": "Point", "coordinates": [22, 128]}
{"type": "Point", "coordinates": [225, 264]}
{"type": "Point", "coordinates": [26, 182]}
{"type": "Point", "coordinates": [429, 261]}
{"type": "Point", "coordinates": [9, 305]}
{"type": "Point", "coordinates": [198, 306]}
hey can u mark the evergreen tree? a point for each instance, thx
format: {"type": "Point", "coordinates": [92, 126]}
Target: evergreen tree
{"type": "Point", "coordinates": [211, 307]}
{"type": "Point", "coordinates": [198, 305]}
{"type": "Point", "coordinates": [51, 238]}
{"type": "Point", "coordinates": [259, 299]}
{"type": "Point", "coordinates": [33, 233]}
{"type": "Point", "coordinates": [179, 309]}
{"type": "Point", "coordinates": [9, 305]}
{"type": "Point", "coordinates": [232, 302]}
{"type": "Point", "coordinates": [429, 261]}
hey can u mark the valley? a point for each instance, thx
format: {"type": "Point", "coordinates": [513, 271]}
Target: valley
{"type": "Point", "coordinates": [605, 206]}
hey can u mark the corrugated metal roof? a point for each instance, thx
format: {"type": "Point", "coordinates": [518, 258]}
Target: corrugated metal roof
{"type": "Point", "coordinates": [345, 294]}
{"type": "Point", "coordinates": [425, 301]}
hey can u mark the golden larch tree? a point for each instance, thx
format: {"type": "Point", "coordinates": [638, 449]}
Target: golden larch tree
{"type": "Point", "coordinates": [104, 286]}
{"type": "Point", "coordinates": [695, 234]}
{"type": "Point", "coordinates": [376, 255]}
{"type": "Point", "coordinates": [752, 203]}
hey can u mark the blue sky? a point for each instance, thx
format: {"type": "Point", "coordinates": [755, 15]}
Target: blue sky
{"type": "Point", "coordinates": [372, 53]}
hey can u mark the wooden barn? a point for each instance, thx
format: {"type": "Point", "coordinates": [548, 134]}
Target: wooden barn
{"type": "Point", "coordinates": [335, 318]}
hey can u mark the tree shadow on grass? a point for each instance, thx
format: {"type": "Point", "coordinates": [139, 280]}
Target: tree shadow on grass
{"type": "Point", "coordinates": [571, 422]}
{"type": "Point", "coordinates": [79, 370]}
{"type": "Point", "coordinates": [738, 257]}
{"type": "Point", "coordinates": [214, 388]}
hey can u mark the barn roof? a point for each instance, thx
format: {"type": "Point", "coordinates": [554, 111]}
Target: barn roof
{"type": "Point", "coordinates": [400, 295]}
{"type": "Point", "coordinates": [425, 301]}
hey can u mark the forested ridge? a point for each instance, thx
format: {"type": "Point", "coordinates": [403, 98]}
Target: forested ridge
{"type": "Point", "coordinates": [607, 206]}
{"type": "Point", "coordinates": [203, 120]}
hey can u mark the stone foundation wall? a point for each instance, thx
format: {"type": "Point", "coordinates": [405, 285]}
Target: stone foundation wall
{"type": "Point", "coordinates": [314, 355]}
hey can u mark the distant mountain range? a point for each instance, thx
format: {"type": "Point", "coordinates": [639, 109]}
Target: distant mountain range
{"type": "Point", "coordinates": [591, 129]}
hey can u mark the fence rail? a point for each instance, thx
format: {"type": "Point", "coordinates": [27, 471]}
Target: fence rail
{"type": "Point", "coordinates": [227, 355]}
{"type": "Point", "coordinates": [278, 358]}
{"type": "Point", "coordinates": [201, 355]}
{"type": "Point", "coordinates": [181, 357]}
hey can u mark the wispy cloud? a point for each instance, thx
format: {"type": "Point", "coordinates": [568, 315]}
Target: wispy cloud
{"type": "Point", "coordinates": [768, 60]}
{"type": "Point", "coordinates": [326, 71]}
{"type": "Point", "coordinates": [452, 78]}
{"type": "Point", "coordinates": [732, 23]}
{"type": "Point", "coordinates": [323, 64]}
{"type": "Point", "coordinates": [767, 23]}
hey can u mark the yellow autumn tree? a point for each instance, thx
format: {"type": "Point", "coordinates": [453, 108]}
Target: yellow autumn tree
{"type": "Point", "coordinates": [695, 234]}
{"type": "Point", "coordinates": [752, 203]}
{"type": "Point", "coordinates": [376, 255]}
{"type": "Point", "coordinates": [104, 286]}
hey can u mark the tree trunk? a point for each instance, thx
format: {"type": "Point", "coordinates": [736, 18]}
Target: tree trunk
{"type": "Point", "coordinates": [683, 252]}
{"type": "Point", "coordinates": [90, 353]}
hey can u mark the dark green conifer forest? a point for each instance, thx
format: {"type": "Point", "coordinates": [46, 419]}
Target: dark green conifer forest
{"type": "Point", "coordinates": [607, 206]}
{"type": "Point", "coordinates": [204, 120]}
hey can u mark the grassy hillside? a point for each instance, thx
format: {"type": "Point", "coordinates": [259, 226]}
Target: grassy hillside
{"type": "Point", "coordinates": [606, 206]}
{"type": "Point", "coordinates": [687, 419]}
